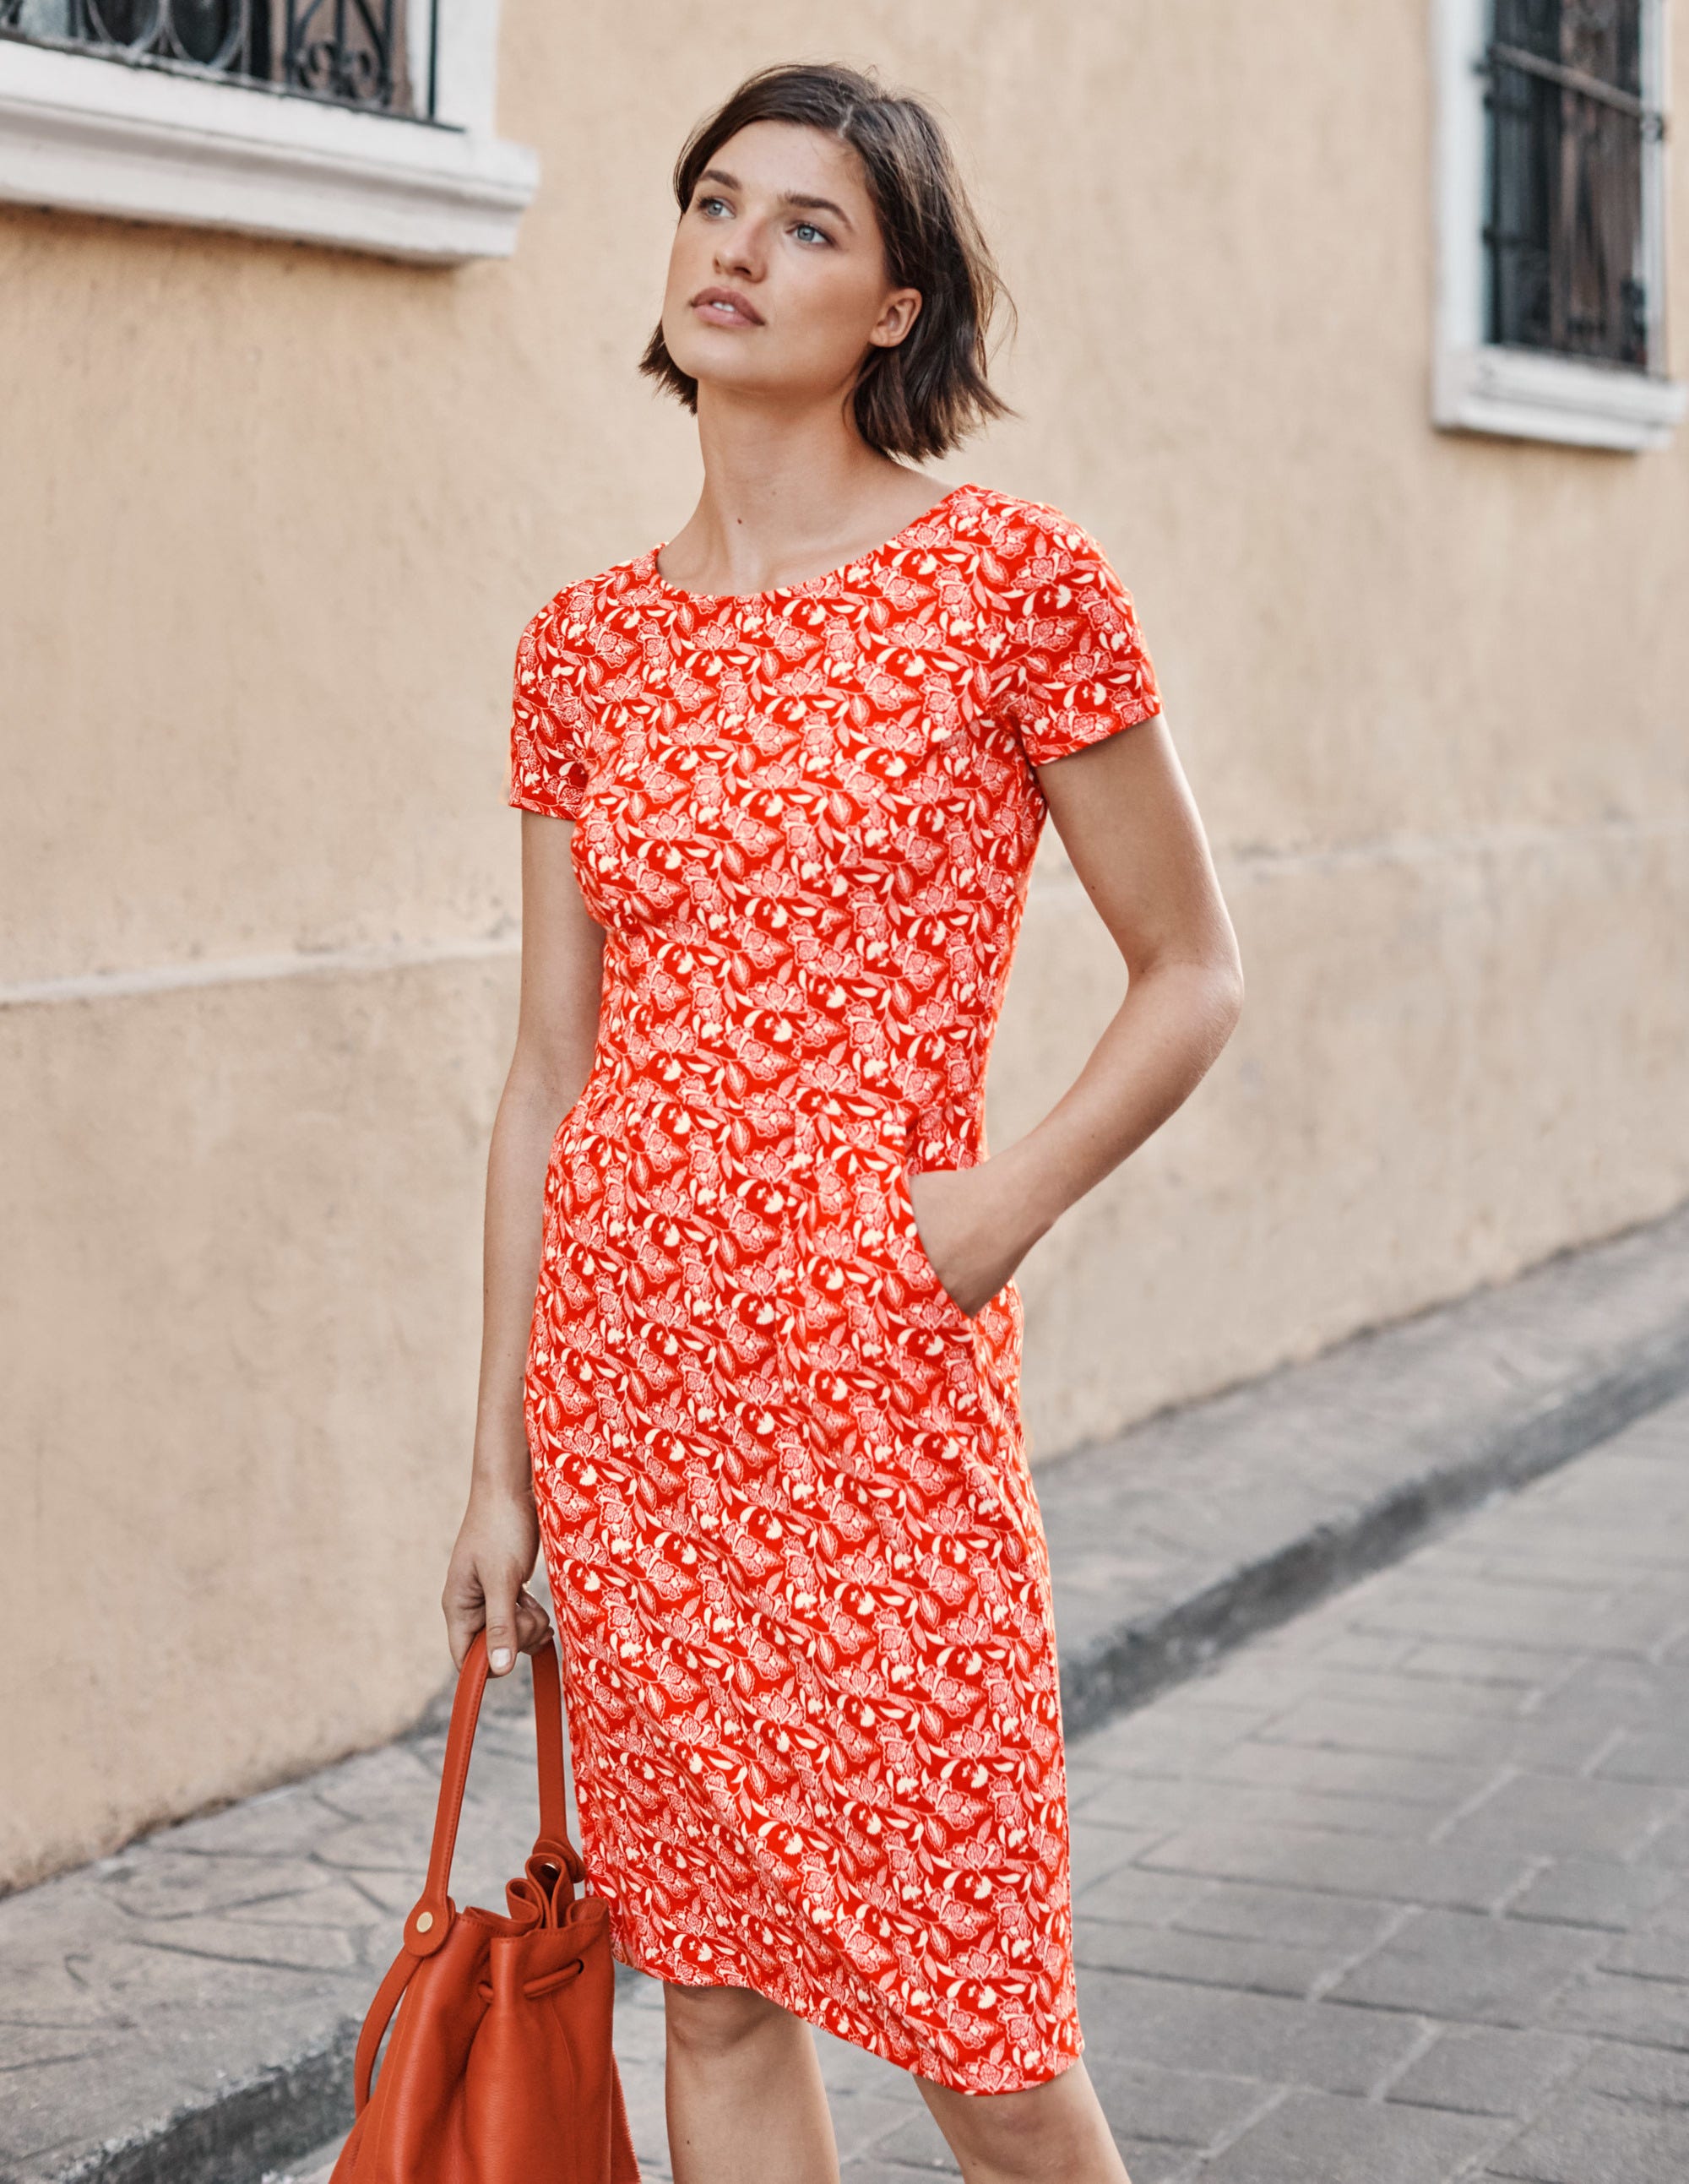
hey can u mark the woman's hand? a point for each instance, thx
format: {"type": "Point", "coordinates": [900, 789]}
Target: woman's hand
{"type": "Point", "coordinates": [498, 1545]}
{"type": "Point", "coordinates": [976, 1226]}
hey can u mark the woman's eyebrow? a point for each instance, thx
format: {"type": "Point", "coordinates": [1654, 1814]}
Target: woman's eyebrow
{"type": "Point", "coordinates": [794, 197]}
{"type": "Point", "coordinates": [814, 204]}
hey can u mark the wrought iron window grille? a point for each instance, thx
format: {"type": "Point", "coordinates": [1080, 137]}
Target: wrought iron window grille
{"type": "Point", "coordinates": [348, 52]}
{"type": "Point", "coordinates": [1571, 135]}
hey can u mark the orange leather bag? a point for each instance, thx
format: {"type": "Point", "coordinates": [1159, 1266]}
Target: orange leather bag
{"type": "Point", "coordinates": [500, 2069]}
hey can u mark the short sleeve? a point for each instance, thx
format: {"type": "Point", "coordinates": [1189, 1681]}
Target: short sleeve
{"type": "Point", "coordinates": [548, 718]}
{"type": "Point", "coordinates": [1076, 666]}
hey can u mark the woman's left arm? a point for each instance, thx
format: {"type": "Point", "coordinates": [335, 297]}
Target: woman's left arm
{"type": "Point", "coordinates": [1126, 817]}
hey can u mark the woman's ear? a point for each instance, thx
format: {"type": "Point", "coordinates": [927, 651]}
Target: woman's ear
{"type": "Point", "coordinates": [902, 308]}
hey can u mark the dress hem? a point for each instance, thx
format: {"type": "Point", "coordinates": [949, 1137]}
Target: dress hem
{"type": "Point", "coordinates": [1063, 2060]}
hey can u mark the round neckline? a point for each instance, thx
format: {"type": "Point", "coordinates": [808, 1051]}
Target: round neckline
{"type": "Point", "coordinates": [810, 584]}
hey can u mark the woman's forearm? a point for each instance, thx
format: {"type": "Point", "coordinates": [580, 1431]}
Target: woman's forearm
{"type": "Point", "coordinates": [533, 1106]}
{"type": "Point", "coordinates": [1158, 1046]}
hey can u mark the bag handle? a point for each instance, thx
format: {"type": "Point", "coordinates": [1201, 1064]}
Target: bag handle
{"type": "Point", "coordinates": [430, 1922]}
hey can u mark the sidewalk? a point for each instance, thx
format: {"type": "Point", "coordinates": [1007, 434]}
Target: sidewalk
{"type": "Point", "coordinates": [184, 2013]}
{"type": "Point", "coordinates": [1396, 1895]}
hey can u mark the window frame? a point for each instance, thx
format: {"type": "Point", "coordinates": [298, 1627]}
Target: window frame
{"type": "Point", "coordinates": [86, 133]}
{"type": "Point", "coordinates": [1479, 385]}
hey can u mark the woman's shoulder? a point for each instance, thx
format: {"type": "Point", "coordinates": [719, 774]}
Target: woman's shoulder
{"type": "Point", "coordinates": [577, 605]}
{"type": "Point", "coordinates": [1036, 569]}
{"type": "Point", "coordinates": [1019, 530]}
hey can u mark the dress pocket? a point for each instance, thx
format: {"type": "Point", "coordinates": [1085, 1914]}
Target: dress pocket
{"type": "Point", "coordinates": [914, 1250]}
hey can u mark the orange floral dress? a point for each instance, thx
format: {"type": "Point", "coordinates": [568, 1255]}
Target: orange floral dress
{"type": "Point", "coordinates": [798, 1568]}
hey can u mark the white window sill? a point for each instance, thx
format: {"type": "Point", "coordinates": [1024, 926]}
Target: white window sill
{"type": "Point", "coordinates": [83, 134]}
{"type": "Point", "coordinates": [1523, 395]}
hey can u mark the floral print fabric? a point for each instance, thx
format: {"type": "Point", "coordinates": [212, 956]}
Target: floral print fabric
{"type": "Point", "coordinates": [797, 1562]}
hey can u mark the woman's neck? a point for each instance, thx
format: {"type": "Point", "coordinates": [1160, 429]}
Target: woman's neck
{"type": "Point", "coordinates": [786, 498]}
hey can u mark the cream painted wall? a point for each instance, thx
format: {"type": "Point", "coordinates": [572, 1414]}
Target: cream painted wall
{"type": "Point", "coordinates": [275, 517]}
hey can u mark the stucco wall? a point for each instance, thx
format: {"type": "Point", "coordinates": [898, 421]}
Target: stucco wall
{"type": "Point", "coordinates": [276, 516]}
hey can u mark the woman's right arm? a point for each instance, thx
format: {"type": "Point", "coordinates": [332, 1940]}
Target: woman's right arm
{"type": "Point", "coordinates": [557, 1029]}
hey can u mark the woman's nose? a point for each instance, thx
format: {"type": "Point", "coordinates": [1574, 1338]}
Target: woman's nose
{"type": "Point", "coordinates": [738, 251]}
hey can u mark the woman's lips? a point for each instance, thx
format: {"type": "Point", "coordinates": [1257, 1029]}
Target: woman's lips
{"type": "Point", "coordinates": [722, 309]}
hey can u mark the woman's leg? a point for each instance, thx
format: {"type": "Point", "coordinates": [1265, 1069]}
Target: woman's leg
{"type": "Point", "coordinates": [1054, 2133]}
{"type": "Point", "coordinates": [745, 2099]}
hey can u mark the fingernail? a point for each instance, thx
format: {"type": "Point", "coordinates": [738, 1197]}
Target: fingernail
{"type": "Point", "coordinates": [500, 1656]}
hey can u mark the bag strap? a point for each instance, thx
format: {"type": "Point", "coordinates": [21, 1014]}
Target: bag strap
{"type": "Point", "coordinates": [431, 1919]}
{"type": "Point", "coordinates": [426, 1927]}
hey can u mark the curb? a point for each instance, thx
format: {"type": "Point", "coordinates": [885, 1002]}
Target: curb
{"type": "Point", "coordinates": [1146, 1656]}
{"type": "Point", "coordinates": [236, 2138]}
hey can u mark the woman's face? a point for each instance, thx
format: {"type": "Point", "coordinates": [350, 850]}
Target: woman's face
{"type": "Point", "coordinates": [776, 281]}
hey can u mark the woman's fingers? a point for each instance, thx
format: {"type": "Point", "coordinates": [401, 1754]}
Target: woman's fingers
{"type": "Point", "coordinates": [501, 1623]}
{"type": "Point", "coordinates": [534, 1624]}
{"type": "Point", "coordinates": [463, 1607]}
{"type": "Point", "coordinates": [497, 1601]}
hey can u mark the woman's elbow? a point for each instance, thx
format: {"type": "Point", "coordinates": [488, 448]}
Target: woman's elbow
{"type": "Point", "coordinates": [1226, 976]}
{"type": "Point", "coordinates": [1206, 984]}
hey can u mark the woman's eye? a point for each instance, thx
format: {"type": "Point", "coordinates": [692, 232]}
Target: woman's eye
{"type": "Point", "coordinates": [805, 227]}
{"type": "Point", "coordinates": [704, 204]}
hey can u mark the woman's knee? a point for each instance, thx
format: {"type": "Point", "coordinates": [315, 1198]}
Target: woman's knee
{"type": "Point", "coordinates": [1057, 2129]}
{"type": "Point", "coordinates": [716, 2020]}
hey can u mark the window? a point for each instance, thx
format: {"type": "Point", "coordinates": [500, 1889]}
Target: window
{"type": "Point", "coordinates": [1551, 320]}
{"type": "Point", "coordinates": [357, 52]}
{"type": "Point", "coordinates": [1568, 268]}
{"type": "Point", "coordinates": [367, 123]}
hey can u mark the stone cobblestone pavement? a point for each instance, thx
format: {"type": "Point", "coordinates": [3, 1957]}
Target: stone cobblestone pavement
{"type": "Point", "coordinates": [1397, 1894]}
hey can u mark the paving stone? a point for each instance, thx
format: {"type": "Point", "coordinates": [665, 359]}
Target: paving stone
{"type": "Point", "coordinates": [1444, 1660]}
{"type": "Point", "coordinates": [863, 2119]}
{"type": "Point", "coordinates": [1576, 1576]}
{"type": "Point", "coordinates": [1485, 2071]}
{"type": "Point", "coordinates": [1526, 1615]}
{"type": "Point", "coordinates": [1442, 1787]}
{"type": "Point", "coordinates": [1455, 1964]}
{"type": "Point", "coordinates": [1649, 2074]}
{"type": "Point", "coordinates": [1317, 2138]}
{"type": "Point", "coordinates": [1096, 1850]}
{"type": "Point", "coordinates": [1386, 1688]}
{"type": "Point", "coordinates": [169, 1887]}
{"type": "Point", "coordinates": [1591, 2139]}
{"type": "Point", "coordinates": [1416, 1731]}
{"type": "Point", "coordinates": [1648, 1755]}
{"type": "Point", "coordinates": [1549, 1815]}
{"type": "Point", "coordinates": [277, 1823]}
{"type": "Point", "coordinates": [1562, 1737]}
{"type": "Point", "coordinates": [1150, 2163]}
{"type": "Point", "coordinates": [1654, 1955]}
{"type": "Point", "coordinates": [1464, 1878]}
{"type": "Point", "coordinates": [1139, 1896]}
{"type": "Point", "coordinates": [1207, 1959]}
{"type": "Point", "coordinates": [1637, 1691]}
{"type": "Point", "coordinates": [1615, 1540]}
{"type": "Point", "coordinates": [1670, 1847]}
{"type": "Point", "coordinates": [1653, 2013]}
{"type": "Point", "coordinates": [1580, 1892]}
{"type": "Point", "coordinates": [1343, 1925]}
{"type": "Point", "coordinates": [1358, 1649]}
{"type": "Point", "coordinates": [1179, 2107]}
{"type": "Point", "coordinates": [259, 1945]}
{"type": "Point", "coordinates": [1277, 1805]}
{"type": "Point", "coordinates": [1258, 2035]}
{"type": "Point", "coordinates": [1169, 1742]}
{"type": "Point", "coordinates": [917, 2144]}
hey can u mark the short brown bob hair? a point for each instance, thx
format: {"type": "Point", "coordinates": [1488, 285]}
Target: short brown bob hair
{"type": "Point", "coordinates": [918, 399]}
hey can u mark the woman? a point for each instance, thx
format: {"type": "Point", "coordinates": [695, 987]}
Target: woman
{"type": "Point", "coordinates": [782, 777]}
